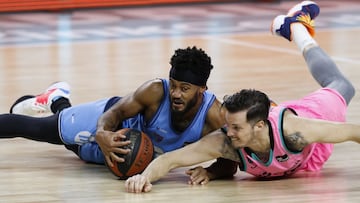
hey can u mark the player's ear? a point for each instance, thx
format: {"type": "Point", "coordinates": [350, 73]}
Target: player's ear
{"type": "Point", "coordinates": [260, 124]}
{"type": "Point", "coordinates": [203, 88]}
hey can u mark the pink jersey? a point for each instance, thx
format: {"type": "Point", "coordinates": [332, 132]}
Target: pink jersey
{"type": "Point", "coordinates": [325, 104]}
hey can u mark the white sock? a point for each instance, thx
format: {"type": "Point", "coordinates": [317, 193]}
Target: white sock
{"type": "Point", "coordinates": [301, 36]}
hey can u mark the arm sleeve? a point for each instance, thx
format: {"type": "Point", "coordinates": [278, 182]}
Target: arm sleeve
{"type": "Point", "coordinates": [222, 168]}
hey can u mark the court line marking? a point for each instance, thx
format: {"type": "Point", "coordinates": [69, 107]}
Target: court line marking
{"type": "Point", "coordinates": [272, 48]}
{"type": "Point", "coordinates": [217, 37]}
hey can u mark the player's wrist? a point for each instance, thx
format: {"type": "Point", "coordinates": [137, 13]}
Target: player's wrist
{"type": "Point", "coordinates": [210, 173]}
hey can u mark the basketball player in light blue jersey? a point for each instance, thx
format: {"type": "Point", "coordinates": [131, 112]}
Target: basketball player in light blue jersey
{"type": "Point", "coordinates": [173, 112]}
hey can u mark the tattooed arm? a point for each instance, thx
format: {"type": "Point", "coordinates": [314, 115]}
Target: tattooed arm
{"type": "Point", "coordinates": [300, 132]}
{"type": "Point", "coordinates": [295, 141]}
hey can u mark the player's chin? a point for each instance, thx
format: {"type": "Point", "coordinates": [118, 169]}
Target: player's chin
{"type": "Point", "coordinates": [236, 144]}
{"type": "Point", "coordinates": [177, 108]}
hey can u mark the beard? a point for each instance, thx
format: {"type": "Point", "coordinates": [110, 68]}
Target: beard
{"type": "Point", "coordinates": [187, 107]}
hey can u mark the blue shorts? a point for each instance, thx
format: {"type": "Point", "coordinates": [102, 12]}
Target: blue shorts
{"type": "Point", "coordinates": [77, 125]}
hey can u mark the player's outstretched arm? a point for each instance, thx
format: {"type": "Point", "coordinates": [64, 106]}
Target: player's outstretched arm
{"type": "Point", "coordinates": [208, 148]}
{"type": "Point", "coordinates": [306, 131]}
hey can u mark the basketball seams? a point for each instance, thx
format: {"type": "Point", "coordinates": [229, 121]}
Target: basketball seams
{"type": "Point", "coordinates": [142, 158]}
{"type": "Point", "coordinates": [140, 155]}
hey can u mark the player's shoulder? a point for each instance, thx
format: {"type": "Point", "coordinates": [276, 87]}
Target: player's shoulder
{"type": "Point", "coordinates": [151, 92]}
{"type": "Point", "coordinates": [153, 85]}
{"type": "Point", "coordinates": [214, 117]}
{"type": "Point", "coordinates": [215, 109]}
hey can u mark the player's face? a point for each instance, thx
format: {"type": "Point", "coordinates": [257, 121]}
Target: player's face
{"type": "Point", "coordinates": [240, 131]}
{"type": "Point", "coordinates": [183, 95]}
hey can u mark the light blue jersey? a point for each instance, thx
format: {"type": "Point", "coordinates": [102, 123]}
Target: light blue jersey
{"type": "Point", "coordinates": [160, 129]}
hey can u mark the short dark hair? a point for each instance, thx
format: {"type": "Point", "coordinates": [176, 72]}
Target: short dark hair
{"type": "Point", "coordinates": [255, 102]}
{"type": "Point", "coordinates": [191, 64]}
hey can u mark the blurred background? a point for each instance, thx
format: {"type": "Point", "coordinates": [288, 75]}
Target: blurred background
{"type": "Point", "coordinates": [31, 5]}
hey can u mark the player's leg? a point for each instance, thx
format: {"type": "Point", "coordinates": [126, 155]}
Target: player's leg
{"type": "Point", "coordinates": [37, 129]}
{"type": "Point", "coordinates": [54, 99]}
{"type": "Point", "coordinates": [46, 129]}
{"type": "Point", "coordinates": [298, 26]}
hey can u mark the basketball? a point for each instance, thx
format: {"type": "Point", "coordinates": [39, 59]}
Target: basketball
{"type": "Point", "coordinates": [138, 158]}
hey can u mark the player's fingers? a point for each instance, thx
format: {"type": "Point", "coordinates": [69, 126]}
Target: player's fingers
{"type": "Point", "coordinates": [196, 180]}
{"type": "Point", "coordinates": [116, 158]}
{"type": "Point", "coordinates": [108, 161]}
{"type": "Point", "coordinates": [127, 182]}
{"type": "Point", "coordinates": [120, 150]}
{"type": "Point", "coordinates": [189, 172]}
{"type": "Point", "coordinates": [135, 184]}
{"type": "Point", "coordinates": [147, 187]}
{"type": "Point", "coordinates": [116, 139]}
{"type": "Point", "coordinates": [129, 185]}
{"type": "Point", "coordinates": [139, 184]}
{"type": "Point", "coordinates": [205, 181]}
{"type": "Point", "coordinates": [190, 182]}
{"type": "Point", "coordinates": [117, 136]}
{"type": "Point", "coordinates": [118, 142]}
{"type": "Point", "coordinates": [193, 173]}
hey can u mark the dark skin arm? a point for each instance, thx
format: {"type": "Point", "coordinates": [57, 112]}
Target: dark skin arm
{"type": "Point", "coordinates": [144, 100]}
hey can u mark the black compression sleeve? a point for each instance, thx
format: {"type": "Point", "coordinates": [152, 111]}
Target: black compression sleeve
{"type": "Point", "coordinates": [38, 129]}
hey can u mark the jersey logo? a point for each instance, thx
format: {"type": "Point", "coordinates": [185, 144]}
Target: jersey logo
{"type": "Point", "coordinates": [161, 130]}
{"type": "Point", "coordinates": [282, 158]}
{"type": "Point", "coordinates": [293, 169]}
{"type": "Point", "coordinates": [251, 163]}
{"type": "Point", "coordinates": [84, 137]}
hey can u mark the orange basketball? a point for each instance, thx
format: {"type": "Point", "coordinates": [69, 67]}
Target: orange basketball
{"type": "Point", "coordinates": [138, 158]}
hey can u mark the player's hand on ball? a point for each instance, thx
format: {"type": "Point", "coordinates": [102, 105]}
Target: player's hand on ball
{"type": "Point", "coordinates": [111, 143]}
{"type": "Point", "coordinates": [137, 184]}
{"type": "Point", "coordinates": [139, 155]}
{"type": "Point", "coordinates": [198, 176]}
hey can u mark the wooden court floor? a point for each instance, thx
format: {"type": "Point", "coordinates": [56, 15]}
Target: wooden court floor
{"type": "Point", "coordinates": [36, 51]}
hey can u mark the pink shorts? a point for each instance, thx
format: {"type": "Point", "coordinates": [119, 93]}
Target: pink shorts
{"type": "Point", "coordinates": [326, 104]}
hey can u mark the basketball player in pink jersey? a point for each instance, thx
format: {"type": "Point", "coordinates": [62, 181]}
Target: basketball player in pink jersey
{"type": "Point", "coordinates": [266, 141]}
